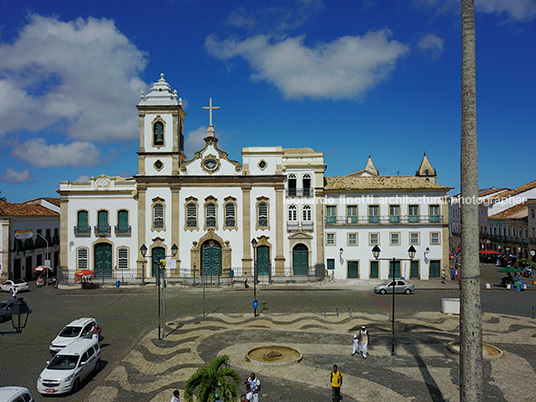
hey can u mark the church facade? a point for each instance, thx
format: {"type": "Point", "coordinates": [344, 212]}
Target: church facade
{"type": "Point", "coordinates": [201, 214]}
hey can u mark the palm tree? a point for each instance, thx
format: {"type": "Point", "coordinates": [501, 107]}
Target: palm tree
{"type": "Point", "coordinates": [211, 379]}
{"type": "Point", "coordinates": [471, 383]}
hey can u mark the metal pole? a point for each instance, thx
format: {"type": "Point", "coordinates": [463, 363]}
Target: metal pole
{"type": "Point", "coordinates": [204, 280]}
{"type": "Point", "coordinates": [163, 304]}
{"type": "Point", "coordinates": [158, 286]}
{"type": "Point", "coordinates": [255, 279]}
{"type": "Point", "coordinates": [393, 313]}
{"type": "Point", "coordinates": [194, 273]}
{"type": "Point", "coordinates": [143, 273]}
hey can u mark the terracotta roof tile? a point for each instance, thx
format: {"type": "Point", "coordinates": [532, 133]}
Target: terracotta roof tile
{"type": "Point", "coordinates": [518, 211]}
{"type": "Point", "coordinates": [13, 209]}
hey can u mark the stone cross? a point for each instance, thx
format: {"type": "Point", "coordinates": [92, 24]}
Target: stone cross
{"type": "Point", "coordinates": [210, 108]}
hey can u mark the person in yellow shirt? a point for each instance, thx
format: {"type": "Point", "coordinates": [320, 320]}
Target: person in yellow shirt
{"type": "Point", "coordinates": [336, 382]}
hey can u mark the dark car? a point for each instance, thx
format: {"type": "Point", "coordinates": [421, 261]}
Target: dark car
{"type": "Point", "coordinates": [5, 310]}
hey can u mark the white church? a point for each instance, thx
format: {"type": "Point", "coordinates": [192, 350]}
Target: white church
{"type": "Point", "coordinates": [203, 215]}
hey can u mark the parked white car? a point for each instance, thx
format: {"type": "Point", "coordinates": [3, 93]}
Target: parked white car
{"type": "Point", "coordinates": [8, 285]}
{"type": "Point", "coordinates": [15, 394]}
{"type": "Point", "coordinates": [72, 331]}
{"type": "Point", "coordinates": [68, 368]}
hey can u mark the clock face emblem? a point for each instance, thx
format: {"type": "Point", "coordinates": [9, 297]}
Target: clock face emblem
{"type": "Point", "coordinates": [210, 164]}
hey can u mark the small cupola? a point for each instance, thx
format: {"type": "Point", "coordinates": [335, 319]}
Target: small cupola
{"type": "Point", "coordinates": [426, 171]}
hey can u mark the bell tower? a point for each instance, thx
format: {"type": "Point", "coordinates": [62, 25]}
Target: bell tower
{"type": "Point", "coordinates": [161, 119]}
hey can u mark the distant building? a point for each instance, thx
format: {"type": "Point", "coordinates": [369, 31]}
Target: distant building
{"type": "Point", "coordinates": [18, 257]}
{"type": "Point", "coordinates": [209, 209]}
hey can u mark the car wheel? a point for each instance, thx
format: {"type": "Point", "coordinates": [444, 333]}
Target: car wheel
{"type": "Point", "coordinates": [382, 291]}
{"type": "Point", "coordinates": [76, 386]}
{"type": "Point", "coordinates": [407, 291]}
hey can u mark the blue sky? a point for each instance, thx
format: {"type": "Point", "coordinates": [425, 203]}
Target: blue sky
{"type": "Point", "coordinates": [347, 78]}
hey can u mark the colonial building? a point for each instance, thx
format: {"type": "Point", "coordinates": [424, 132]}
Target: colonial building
{"type": "Point", "coordinates": [18, 257]}
{"type": "Point", "coordinates": [201, 214]}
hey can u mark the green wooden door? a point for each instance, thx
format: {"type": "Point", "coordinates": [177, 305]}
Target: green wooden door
{"type": "Point", "coordinates": [396, 265]}
{"type": "Point", "coordinates": [353, 269]}
{"type": "Point", "coordinates": [158, 253]}
{"type": "Point", "coordinates": [103, 260]}
{"type": "Point", "coordinates": [414, 271]}
{"type": "Point", "coordinates": [374, 269]}
{"type": "Point", "coordinates": [435, 268]}
{"type": "Point", "coordinates": [300, 260]}
{"type": "Point", "coordinates": [211, 258]}
{"type": "Point", "coordinates": [263, 260]}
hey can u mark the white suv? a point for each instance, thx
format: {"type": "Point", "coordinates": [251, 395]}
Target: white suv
{"type": "Point", "coordinates": [70, 367]}
{"type": "Point", "coordinates": [73, 331]}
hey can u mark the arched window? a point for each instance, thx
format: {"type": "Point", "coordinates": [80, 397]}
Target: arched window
{"type": "Point", "coordinates": [210, 215]}
{"type": "Point", "coordinates": [306, 213]}
{"type": "Point", "coordinates": [158, 216]}
{"type": "Point", "coordinates": [307, 185]}
{"type": "Point", "coordinates": [262, 214]}
{"type": "Point", "coordinates": [230, 215]}
{"type": "Point", "coordinates": [292, 215]}
{"type": "Point", "coordinates": [292, 185]}
{"type": "Point", "coordinates": [82, 222]}
{"type": "Point", "coordinates": [102, 222]}
{"type": "Point", "coordinates": [191, 215]}
{"type": "Point", "coordinates": [158, 133]}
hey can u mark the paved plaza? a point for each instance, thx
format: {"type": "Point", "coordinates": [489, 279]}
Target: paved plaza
{"type": "Point", "coordinates": [423, 369]}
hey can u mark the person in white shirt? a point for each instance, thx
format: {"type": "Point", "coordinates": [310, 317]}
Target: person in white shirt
{"type": "Point", "coordinates": [255, 386]}
{"type": "Point", "coordinates": [355, 343]}
{"type": "Point", "coordinates": [175, 397]}
{"type": "Point", "coordinates": [364, 339]}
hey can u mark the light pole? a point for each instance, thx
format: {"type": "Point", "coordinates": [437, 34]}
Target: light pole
{"type": "Point", "coordinates": [46, 256]}
{"type": "Point", "coordinates": [255, 302]}
{"type": "Point", "coordinates": [376, 253]}
{"type": "Point", "coordinates": [19, 314]}
{"type": "Point", "coordinates": [159, 273]}
{"type": "Point", "coordinates": [143, 250]}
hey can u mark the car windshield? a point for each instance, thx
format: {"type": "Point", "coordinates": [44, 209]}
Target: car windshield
{"type": "Point", "coordinates": [63, 362]}
{"type": "Point", "coordinates": [387, 283]}
{"type": "Point", "coordinates": [18, 281]}
{"type": "Point", "coordinates": [70, 332]}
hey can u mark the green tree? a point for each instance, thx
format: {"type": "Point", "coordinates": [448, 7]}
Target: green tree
{"type": "Point", "coordinates": [213, 378]}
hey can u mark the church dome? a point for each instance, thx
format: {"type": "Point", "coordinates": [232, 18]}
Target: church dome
{"type": "Point", "coordinates": [160, 94]}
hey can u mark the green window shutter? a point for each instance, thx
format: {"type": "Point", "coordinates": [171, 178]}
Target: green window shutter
{"type": "Point", "coordinates": [103, 221]}
{"type": "Point", "coordinates": [122, 221]}
{"type": "Point", "coordinates": [414, 270]}
{"type": "Point", "coordinates": [82, 221]}
{"type": "Point", "coordinates": [331, 263]}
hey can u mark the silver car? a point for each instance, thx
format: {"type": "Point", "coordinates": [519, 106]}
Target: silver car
{"type": "Point", "coordinates": [401, 287]}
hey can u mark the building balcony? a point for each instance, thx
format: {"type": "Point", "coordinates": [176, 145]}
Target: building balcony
{"type": "Point", "coordinates": [82, 231]}
{"type": "Point", "coordinates": [300, 192]}
{"type": "Point", "coordinates": [103, 230]}
{"type": "Point", "coordinates": [385, 220]}
{"type": "Point", "coordinates": [123, 231]}
{"type": "Point", "coordinates": [293, 226]}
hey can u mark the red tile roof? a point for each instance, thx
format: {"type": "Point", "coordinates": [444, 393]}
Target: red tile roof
{"type": "Point", "coordinates": [8, 209]}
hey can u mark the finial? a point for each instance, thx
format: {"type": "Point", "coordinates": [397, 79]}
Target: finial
{"type": "Point", "coordinates": [424, 153]}
{"type": "Point", "coordinates": [369, 155]}
{"type": "Point", "coordinates": [162, 75]}
{"type": "Point", "coordinates": [142, 96]}
{"type": "Point", "coordinates": [180, 101]}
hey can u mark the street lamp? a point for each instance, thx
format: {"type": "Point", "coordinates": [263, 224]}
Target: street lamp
{"type": "Point", "coordinates": [255, 302]}
{"type": "Point", "coordinates": [19, 314]}
{"type": "Point", "coordinates": [376, 253]}
{"type": "Point", "coordinates": [159, 272]}
{"type": "Point", "coordinates": [143, 250]}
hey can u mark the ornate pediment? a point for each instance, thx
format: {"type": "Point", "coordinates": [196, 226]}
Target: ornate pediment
{"type": "Point", "coordinates": [300, 236]}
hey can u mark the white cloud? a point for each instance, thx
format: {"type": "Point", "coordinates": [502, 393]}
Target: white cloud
{"type": "Point", "coordinates": [433, 43]}
{"type": "Point", "coordinates": [195, 141]}
{"type": "Point", "coordinates": [79, 78]}
{"type": "Point", "coordinates": [82, 179]}
{"type": "Point", "coordinates": [77, 154]}
{"type": "Point", "coordinates": [12, 176]}
{"type": "Point", "coordinates": [344, 68]}
{"type": "Point", "coordinates": [519, 10]}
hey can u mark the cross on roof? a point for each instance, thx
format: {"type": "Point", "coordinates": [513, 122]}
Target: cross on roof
{"type": "Point", "coordinates": [398, 172]}
{"type": "Point", "coordinates": [210, 108]}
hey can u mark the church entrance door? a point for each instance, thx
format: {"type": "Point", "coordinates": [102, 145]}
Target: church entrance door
{"type": "Point", "coordinates": [300, 259]}
{"type": "Point", "coordinates": [103, 260]}
{"type": "Point", "coordinates": [263, 260]}
{"type": "Point", "coordinates": [158, 253]}
{"type": "Point", "coordinates": [211, 258]}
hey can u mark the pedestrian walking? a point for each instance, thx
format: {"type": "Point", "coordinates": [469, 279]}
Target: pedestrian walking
{"type": "Point", "coordinates": [255, 386]}
{"type": "Point", "coordinates": [336, 383]}
{"type": "Point", "coordinates": [364, 339]}
{"type": "Point", "coordinates": [355, 343]}
{"type": "Point", "coordinates": [443, 276]}
{"type": "Point", "coordinates": [14, 291]}
{"type": "Point", "coordinates": [218, 399]}
{"type": "Point", "coordinates": [175, 397]}
{"type": "Point", "coordinates": [452, 274]}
